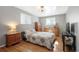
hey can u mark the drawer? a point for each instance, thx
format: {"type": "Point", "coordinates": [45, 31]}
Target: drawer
{"type": "Point", "coordinates": [11, 36]}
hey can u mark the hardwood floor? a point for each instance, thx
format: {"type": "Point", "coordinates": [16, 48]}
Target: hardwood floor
{"type": "Point", "coordinates": [24, 47]}
{"type": "Point", "coordinates": [59, 47]}
{"type": "Point", "coordinates": [29, 47]}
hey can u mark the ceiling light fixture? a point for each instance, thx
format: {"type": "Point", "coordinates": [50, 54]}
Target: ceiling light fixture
{"type": "Point", "coordinates": [42, 8]}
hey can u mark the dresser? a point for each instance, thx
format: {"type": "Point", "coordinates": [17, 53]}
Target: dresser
{"type": "Point", "coordinates": [46, 29]}
{"type": "Point", "coordinates": [13, 38]}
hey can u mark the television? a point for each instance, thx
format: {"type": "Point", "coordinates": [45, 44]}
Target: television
{"type": "Point", "coordinates": [73, 28]}
{"type": "Point", "coordinates": [68, 27]}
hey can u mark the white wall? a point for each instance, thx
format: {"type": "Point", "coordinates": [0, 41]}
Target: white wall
{"type": "Point", "coordinates": [72, 16]}
{"type": "Point", "coordinates": [61, 21]}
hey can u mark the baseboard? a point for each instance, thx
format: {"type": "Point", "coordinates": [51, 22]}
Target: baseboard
{"type": "Point", "coordinates": [2, 45]}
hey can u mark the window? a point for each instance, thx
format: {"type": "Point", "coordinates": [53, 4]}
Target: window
{"type": "Point", "coordinates": [50, 21]}
{"type": "Point", "coordinates": [25, 19]}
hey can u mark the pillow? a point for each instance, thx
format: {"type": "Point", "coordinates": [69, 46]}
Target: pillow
{"type": "Point", "coordinates": [28, 32]}
{"type": "Point", "coordinates": [33, 30]}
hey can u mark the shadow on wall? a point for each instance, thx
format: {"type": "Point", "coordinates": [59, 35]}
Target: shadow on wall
{"type": "Point", "coordinates": [3, 31]}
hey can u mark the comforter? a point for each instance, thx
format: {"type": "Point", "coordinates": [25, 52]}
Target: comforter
{"type": "Point", "coordinates": [42, 38]}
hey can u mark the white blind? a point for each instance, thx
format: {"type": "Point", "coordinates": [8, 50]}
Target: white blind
{"type": "Point", "coordinates": [50, 21]}
{"type": "Point", "coordinates": [25, 19]}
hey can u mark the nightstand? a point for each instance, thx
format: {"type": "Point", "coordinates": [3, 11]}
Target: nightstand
{"type": "Point", "coordinates": [13, 38]}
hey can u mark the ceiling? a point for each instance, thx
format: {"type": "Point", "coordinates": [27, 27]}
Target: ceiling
{"type": "Point", "coordinates": [48, 10]}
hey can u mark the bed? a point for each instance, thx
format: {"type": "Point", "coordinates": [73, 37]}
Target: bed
{"type": "Point", "coordinates": [41, 38]}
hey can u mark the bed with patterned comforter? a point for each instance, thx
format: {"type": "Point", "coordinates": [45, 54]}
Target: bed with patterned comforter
{"type": "Point", "coordinates": [42, 38]}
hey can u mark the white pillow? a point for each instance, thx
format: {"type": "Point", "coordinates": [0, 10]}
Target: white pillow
{"type": "Point", "coordinates": [33, 30]}
{"type": "Point", "coordinates": [28, 31]}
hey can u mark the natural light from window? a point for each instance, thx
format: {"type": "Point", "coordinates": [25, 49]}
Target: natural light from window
{"type": "Point", "coordinates": [50, 21]}
{"type": "Point", "coordinates": [25, 19]}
